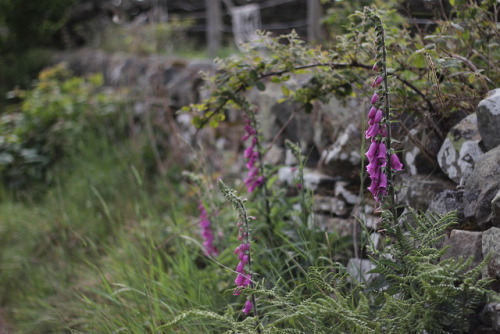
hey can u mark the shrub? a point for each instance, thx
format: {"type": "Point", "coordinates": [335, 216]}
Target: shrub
{"type": "Point", "coordinates": [49, 121]}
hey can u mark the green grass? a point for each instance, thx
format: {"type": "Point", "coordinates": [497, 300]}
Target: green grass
{"type": "Point", "coordinates": [107, 247]}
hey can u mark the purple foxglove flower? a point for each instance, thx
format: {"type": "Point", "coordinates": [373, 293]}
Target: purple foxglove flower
{"type": "Point", "coordinates": [248, 152]}
{"type": "Point", "coordinates": [382, 186]}
{"type": "Point", "coordinates": [240, 267]}
{"type": "Point", "coordinates": [374, 99]}
{"type": "Point", "coordinates": [247, 280]}
{"type": "Point", "coordinates": [206, 232]}
{"type": "Point", "coordinates": [373, 170]}
{"type": "Point", "coordinates": [372, 151]}
{"type": "Point", "coordinates": [381, 152]}
{"type": "Point", "coordinates": [372, 112]}
{"type": "Point", "coordinates": [372, 131]}
{"type": "Point", "coordinates": [377, 81]}
{"type": "Point", "coordinates": [378, 116]}
{"type": "Point", "coordinates": [248, 307]}
{"type": "Point", "coordinates": [373, 188]}
{"type": "Point", "coordinates": [240, 280]}
{"type": "Point", "coordinates": [382, 131]}
{"type": "Point", "coordinates": [395, 163]}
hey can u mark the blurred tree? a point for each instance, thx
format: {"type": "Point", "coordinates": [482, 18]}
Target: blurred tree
{"type": "Point", "coordinates": [32, 23]}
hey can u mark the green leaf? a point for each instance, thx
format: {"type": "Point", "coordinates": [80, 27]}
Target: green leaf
{"type": "Point", "coordinates": [417, 59]}
{"type": "Point", "coordinates": [285, 90]}
{"type": "Point", "coordinates": [472, 78]}
{"type": "Point", "coordinates": [260, 86]}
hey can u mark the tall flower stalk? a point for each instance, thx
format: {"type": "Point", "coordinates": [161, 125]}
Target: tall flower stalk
{"type": "Point", "coordinates": [206, 232]}
{"type": "Point", "coordinates": [244, 267]}
{"type": "Point", "coordinates": [382, 161]}
{"type": "Point", "coordinates": [255, 176]}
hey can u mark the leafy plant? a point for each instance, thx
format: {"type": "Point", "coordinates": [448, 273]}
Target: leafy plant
{"type": "Point", "coordinates": [49, 121]}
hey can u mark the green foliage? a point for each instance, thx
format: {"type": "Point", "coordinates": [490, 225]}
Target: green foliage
{"type": "Point", "coordinates": [153, 38]}
{"type": "Point", "coordinates": [111, 248]}
{"type": "Point", "coordinates": [415, 291]}
{"type": "Point", "coordinates": [32, 23]}
{"type": "Point", "coordinates": [49, 121]}
{"type": "Point", "coordinates": [427, 72]}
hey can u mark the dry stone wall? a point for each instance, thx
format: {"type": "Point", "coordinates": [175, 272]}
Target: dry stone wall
{"type": "Point", "coordinates": [331, 136]}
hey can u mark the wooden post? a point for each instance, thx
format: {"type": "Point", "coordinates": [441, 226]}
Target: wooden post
{"type": "Point", "coordinates": [313, 17]}
{"type": "Point", "coordinates": [214, 22]}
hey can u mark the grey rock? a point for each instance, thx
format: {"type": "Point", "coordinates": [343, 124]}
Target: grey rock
{"type": "Point", "coordinates": [490, 315]}
{"type": "Point", "coordinates": [290, 159]}
{"type": "Point", "coordinates": [446, 201]}
{"type": "Point", "coordinates": [420, 150]}
{"type": "Point", "coordinates": [481, 187]}
{"type": "Point", "coordinates": [341, 226]}
{"type": "Point", "coordinates": [364, 215]}
{"type": "Point", "coordinates": [316, 181]}
{"type": "Point", "coordinates": [417, 191]}
{"type": "Point", "coordinates": [495, 210]}
{"type": "Point", "coordinates": [332, 118]}
{"type": "Point", "coordinates": [331, 205]}
{"type": "Point", "coordinates": [288, 175]}
{"type": "Point", "coordinates": [342, 191]}
{"type": "Point", "coordinates": [460, 149]}
{"type": "Point", "coordinates": [488, 119]}
{"type": "Point", "coordinates": [464, 244]}
{"type": "Point", "coordinates": [343, 157]}
{"type": "Point", "coordinates": [285, 119]}
{"type": "Point", "coordinates": [321, 183]}
{"type": "Point", "coordinates": [376, 241]}
{"type": "Point", "coordinates": [358, 270]}
{"type": "Point", "coordinates": [410, 158]}
{"type": "Point", "coordinates": [274, 155]}
{"type": "Point", "coordinates": [491, 245]}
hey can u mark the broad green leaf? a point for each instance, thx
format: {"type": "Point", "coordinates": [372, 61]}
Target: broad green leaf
{"type": "Point", "coordinates": [260, 86]}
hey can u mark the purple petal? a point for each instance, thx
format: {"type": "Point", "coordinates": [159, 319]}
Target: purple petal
{"type": "Point", "coordinates": [395, 163]}
{"type": "Point", "coordinates": [382, 151]}
{"type": "Point", "coordinates": [372, 112]}
{"type": "Point", "coordinates": [378, 116]}
{"type": "Point", "coordinates": [372, 131]}
{"type": "Point", "coordinates": [370, 154]}
{"type": "Point", "coordinates": [248, 307]}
